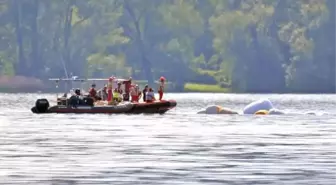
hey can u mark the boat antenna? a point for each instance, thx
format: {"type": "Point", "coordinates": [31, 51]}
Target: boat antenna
{"type": "Point", "coordinates": [64, 68]}
{"type": "Point", "coordinates": [56, 90]}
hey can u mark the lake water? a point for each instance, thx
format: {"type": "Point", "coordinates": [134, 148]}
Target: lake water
{"type": "Point", "coordinates": [179, 147]}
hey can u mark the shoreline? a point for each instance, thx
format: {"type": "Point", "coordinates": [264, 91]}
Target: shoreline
{"type": "Point", "coordinates": [19, 84]}
{"type": "Point", "coordinates": [44, 91]}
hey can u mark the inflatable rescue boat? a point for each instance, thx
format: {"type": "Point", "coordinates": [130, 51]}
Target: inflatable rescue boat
{"type": "Point", "coordinates": [85, 104]}
{"type": "Point", "coordinates": [157, 107]}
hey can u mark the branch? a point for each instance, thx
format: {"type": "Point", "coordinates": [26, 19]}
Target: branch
{"type": "Point", "coordinates": [82, 20]}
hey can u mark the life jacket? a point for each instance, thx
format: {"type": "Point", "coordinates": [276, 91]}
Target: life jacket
{"type": "Point", "coordinates": [116, 95]}
{"type": "Point", "coordinates": [150, 96]}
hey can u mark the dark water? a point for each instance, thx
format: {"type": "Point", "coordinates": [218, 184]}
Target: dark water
{"type": "Point", "coordinates": [180, 147]}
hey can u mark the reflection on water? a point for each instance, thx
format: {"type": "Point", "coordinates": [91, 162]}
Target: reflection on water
{"type": "Point", "coordinates": [180, 147]}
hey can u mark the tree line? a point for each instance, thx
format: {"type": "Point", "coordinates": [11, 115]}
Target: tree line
{"type": "Point", "coordinates": [246, 45]}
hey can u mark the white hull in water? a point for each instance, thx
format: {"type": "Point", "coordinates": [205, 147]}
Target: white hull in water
{"type": "Point", "coordinates": [260, 107]}
{"type": "Point", "coordinates": [215, 109]}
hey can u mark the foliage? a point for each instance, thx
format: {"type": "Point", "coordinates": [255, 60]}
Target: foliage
{"type": "Point", "coordinates": [194, 87]}
{"type": "Point", "coordinates": [247, 45]}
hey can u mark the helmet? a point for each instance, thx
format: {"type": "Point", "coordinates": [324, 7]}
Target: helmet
{"type": "Point", "coordinates": [77, 91]}
{"type": "Point", "coordinates": [93, 85]}
{"type": "Point", "coordinates": [162, 79]}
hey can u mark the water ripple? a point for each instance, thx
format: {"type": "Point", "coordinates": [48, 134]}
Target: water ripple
{"type": "Point", "coordinates": [180, 147]}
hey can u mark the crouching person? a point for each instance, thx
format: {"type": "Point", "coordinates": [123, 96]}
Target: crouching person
{"type": "Point", "coordinates": [150, 96]}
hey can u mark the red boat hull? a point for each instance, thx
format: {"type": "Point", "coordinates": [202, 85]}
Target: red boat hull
{"type": "Point", "coordinates": [157, 107]}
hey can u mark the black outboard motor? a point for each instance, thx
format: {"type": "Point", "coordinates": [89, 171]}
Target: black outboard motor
{"type": "Point", "coordinates": [41, 106]}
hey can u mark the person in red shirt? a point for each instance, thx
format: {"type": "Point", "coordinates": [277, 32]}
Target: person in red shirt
{"type": "Point", "coordinates": [93, 92]}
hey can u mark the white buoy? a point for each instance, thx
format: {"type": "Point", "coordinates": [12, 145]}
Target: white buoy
{"type": "Point", "coordinates": [263, 104]}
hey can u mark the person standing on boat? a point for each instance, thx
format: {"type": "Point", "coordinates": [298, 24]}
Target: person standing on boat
{"type": "Point", "coordinates": [109, 90]}
{"type": "Point", "coordinates": [118, 89]}
{"type": "Point", "coordinates": [128, 85]}
{"type": "Point", "coordinates": [103, 93]}
{"type": "Point", "coordinates": [161, 87]}
{"type": "Point", "coordinates": [150, 96]}
{"type": "Point", "coordinates": [144, 92]}
{"type": "Point", "coordinates": [135, 93]}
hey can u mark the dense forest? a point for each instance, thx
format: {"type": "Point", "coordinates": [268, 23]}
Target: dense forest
{"type": "Point", "coordinates": [245, 45]}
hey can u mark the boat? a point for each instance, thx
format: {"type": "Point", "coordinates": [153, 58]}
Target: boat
{"type": "Point", "coordinates": [88, 105]}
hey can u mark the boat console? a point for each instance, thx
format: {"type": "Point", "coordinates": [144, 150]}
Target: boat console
{"type": "Point", "coordinates": [75, 101]}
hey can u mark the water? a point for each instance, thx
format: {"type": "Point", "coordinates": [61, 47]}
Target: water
{"type": "Point", "coordinates": [179, 147]}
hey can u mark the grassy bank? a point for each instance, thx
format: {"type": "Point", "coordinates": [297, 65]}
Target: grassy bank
{"type": "Point", "coordinates": [194, 87]}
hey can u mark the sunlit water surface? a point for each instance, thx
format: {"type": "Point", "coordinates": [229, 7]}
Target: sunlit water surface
{"type": "Point", "coordinates": [179, 147]}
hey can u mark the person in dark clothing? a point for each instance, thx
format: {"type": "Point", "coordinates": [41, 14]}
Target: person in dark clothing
{"type": "Point", "coordinates": [128, 85]}
{"type": "Point", "coordinates": [144, 91]}
{"type": "Point", "coordinates": [76, 99]}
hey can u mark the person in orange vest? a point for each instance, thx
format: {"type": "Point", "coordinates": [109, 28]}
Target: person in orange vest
{"type": "Point", "coordinates": [161, 87]}
{"type": "Point", "coordinates": [135, 94]}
